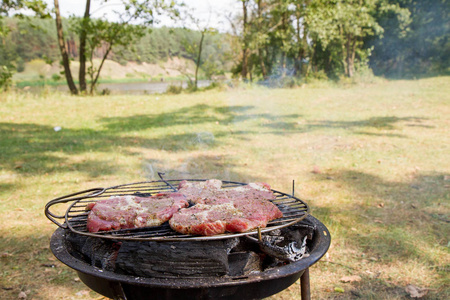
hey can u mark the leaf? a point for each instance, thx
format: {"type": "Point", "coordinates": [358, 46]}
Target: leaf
{"type": "Point", "coordinates": [415, 291]}
{"type": "Point", "coordinates": [351, 278]}
{"type": "Point", "coordinates": [339, 289]}
{"type": "Point", "coordinates": [316, 170]}
{"type": "Point", "coordinates": [22, 295]}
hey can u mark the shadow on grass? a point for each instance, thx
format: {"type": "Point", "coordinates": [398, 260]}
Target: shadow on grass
{"type": "Point", "coordinates": [31, 149]}
{"type": "Point", "coordinates": [380, 123]}
{"type": "Point", "coordinates": [28, 265]}
{"type": "Point", "coordinates": [197, 114]}
{"type": "Point", "coordinates": [395, 216]}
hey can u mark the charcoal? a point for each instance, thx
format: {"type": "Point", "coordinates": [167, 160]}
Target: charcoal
{"type": "Point", "coordinates": [159, 259]}
{"type": "Point", "coordinates": [100, 253]}
{"type": "Point", "coordinates": [244, 263]}
{"type": "Point", "coordinates": [232, 257]}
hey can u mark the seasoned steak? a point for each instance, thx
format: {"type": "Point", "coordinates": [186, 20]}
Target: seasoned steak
{"type": "Point", "coordinates": [123, 212]}
{"type": "Point", "coordinates": [210, 192]}
{"type": "Point", "coordinates": [232, 215]}
{"type": "Point", "coordinates": [197, 191]}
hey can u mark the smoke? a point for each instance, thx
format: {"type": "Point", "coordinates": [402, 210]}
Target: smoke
{"type": "Point", "coordinates": [203, 139]}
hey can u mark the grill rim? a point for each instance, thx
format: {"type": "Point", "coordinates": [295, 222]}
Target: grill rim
{"type": "Point", "coordinates": [92, 194]}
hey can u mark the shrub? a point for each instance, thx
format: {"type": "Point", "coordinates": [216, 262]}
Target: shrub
{"type": "Point", "coordinates": [20, 65]}
{"type": "Point", "coordinates": [174, 89]}
{"type": "Point", "coordinates": [5, 78]}
{"type": "Point", "coordinates": [56, 77]}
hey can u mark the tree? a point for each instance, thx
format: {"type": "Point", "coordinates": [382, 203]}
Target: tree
{"type": "Point", "coordinates": [300, 47]}
{"type": "Point", "coordinates": [7, 57]}
{"type": "Point", "coordinates": [197, 49]}
{"type": "Point", "coordinates": [98, 32]}
{"type": "Point", "coordinates": [245, 38]}
{"type": "Point", "coordinates": [343, 24]}
{"type": "Point", "coordinates": [62, 47]}
{"type": "Point", "coordinates": [416, 39]}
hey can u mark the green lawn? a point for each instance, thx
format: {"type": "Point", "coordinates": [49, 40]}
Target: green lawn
{"type": "Point", "coordinates": [372, 161]}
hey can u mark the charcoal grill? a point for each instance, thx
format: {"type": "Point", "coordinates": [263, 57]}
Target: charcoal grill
{"type": "Point", "coordinates": [75, 218]}
{"type": "Point", "coordinates": [120, 286]}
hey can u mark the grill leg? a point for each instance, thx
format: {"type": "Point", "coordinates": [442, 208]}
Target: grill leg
{"type": "Point", "coordinates": [118, 291]}
{"type": "Point", "coordinates": [304, 285]}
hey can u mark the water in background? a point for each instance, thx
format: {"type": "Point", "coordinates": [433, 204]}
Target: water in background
{"type": "Point", "coordinates": [130, 88]}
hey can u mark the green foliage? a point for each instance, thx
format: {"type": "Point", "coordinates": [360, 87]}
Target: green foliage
{"type": "Point", "coordinates": [56, 77]}
{"type": "Point", "coordinates": [153, 46]}
{"type": "Point", "coordinates": [416, 40]}
{"type": "Point", "coordinates": [337, 37]}
{"type": "Point", "coordinates": [5, 78]}
{"type": "Point", "coordinates": [174, 89]}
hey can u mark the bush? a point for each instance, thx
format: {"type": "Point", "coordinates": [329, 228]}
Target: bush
{"type": "Point", "coordinates": [5, 78]}
{"type": "Point", "coordinates": [20, 65]}
{"type": "Point", "coordinates": [214, 85]}
{"type": "Point", "coordinates": [318, 75]}
{"type": "Point", "coordinates": [56, 77]}
{"type": "Point", "coordinates": [174, 89]}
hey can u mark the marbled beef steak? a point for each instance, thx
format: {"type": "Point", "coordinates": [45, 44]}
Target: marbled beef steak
{"type": "Point", "coordinates": [214, 210]}
{"type": "Point", "coordinates": [219, 210]}
{"type": "Point", "coordinates": [211, 192]}
{"type": "Point", "coordinates": [199, 191]}
{"type": "Point", "coordinates": [122, 212]}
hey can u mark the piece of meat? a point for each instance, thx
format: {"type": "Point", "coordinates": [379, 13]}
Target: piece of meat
{"type": "Point", "coordinates": [210, 192]}
{"type": "Point", "coordinates": [251, 191]}
{"type": "Point", "coordinates": [122, 212]}
{"type": "Point", "coordinates": [197, 191]}
{"type": "Point", "coordinates": [234, 215]}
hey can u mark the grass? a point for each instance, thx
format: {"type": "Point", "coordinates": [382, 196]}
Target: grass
{"type": "Point", "coordinates": [372, 161]}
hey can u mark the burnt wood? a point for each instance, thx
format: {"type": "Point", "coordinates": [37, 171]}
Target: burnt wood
{"type": "Point", "coordinates": [192, 259]}
{"type": "Point", "coordinates": [243, 263]}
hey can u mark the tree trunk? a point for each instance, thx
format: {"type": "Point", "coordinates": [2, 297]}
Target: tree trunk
{"type": "Point", "coordinates": [302, 42]}
{"type": "Point", "coordinates": [62, 47]}
{"type": "Point", "coordinates": [82, 72]}
{"type": "Point", "coordinates": [245, 46]}
{"type": "Point", "coordinates": [350, 57]}
{"type": "Point", "coordinates": [283, 50]}
{"type": "Point", "coordinates": [297, 62]}
{"type": "Point", "coordinates": [94, 82]}
{"type": "Point", "coordinates": [200, 46]}
{"type": "Point", "coordinates": [260, 52]}
{"type": "Point", "coordinates": [311, 60]}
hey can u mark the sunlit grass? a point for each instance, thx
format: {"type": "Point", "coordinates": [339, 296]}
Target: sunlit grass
{"type": "Point", "coordinates": [372, 162]}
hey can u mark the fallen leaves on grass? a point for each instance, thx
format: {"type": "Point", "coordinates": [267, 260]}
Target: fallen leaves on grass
{"type": "Point", "coordinates": [23, 295]}
{"type": "Point", "coordinates": [415, 291]}
{"type": "Point", "coordinates": [5, 254]}
{"type": "Point", "coordinates": [351, 278]}
{"type": "Point", "coordinates": [82, 293]}
{"type": "Point", "coordinates": [316, 170]}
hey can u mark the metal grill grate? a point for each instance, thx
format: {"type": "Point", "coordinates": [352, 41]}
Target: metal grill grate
{"type": "Point", "coordinates": [75, 218]}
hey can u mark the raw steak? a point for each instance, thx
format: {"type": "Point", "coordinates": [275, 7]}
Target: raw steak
{"type": "Point", "coordinates": [233, 215]}
{"type": "Point", "coordinates": [197, 191]}
{"type": "Point", "coordinates": [210, 192]}
{"type": "Point", "coordinates": [123, 212]}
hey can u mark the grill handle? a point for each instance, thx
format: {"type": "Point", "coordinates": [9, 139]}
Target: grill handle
{"type": "Point", "coordinates": [68, 198]}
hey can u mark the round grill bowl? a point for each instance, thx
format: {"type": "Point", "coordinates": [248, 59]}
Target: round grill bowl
{"type": "Point", "coordinates": [253, 286]}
